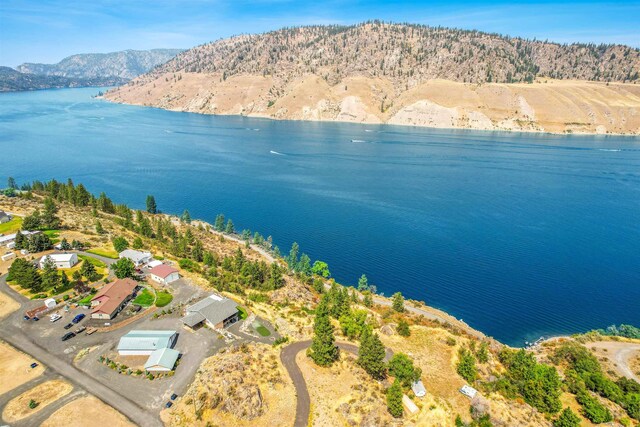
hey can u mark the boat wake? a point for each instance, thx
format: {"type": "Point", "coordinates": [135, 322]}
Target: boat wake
{"type": "Point", "coordinates": [168, 131]}
{"type": "Point", "coordinates": [358, 140]}
{"type": "Point", "coordinates": [613, 150]}
{"type": "Point", "coordinates": [276, 153]}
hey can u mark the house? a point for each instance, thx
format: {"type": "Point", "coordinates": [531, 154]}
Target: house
{"type": "Point", "coordinates": [112, 298]}
{"type": "Point", "coordinates": [162, 360]}
{"type": "Point", "coordinates": [214, 311]}
{"type": "Point", "coordinates": [4, 217]}
{"type": "Point", "coordinates": [164, 274]}
{"type": "Point", "coordinates": [138, 257]}
{"type": "Point", "coordinates": [60, 260]}
{"type": "Point", "coordinates": [145, 343]}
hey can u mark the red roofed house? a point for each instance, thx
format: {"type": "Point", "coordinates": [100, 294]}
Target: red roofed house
{"type": "Point", "coordinates": [164, 274]}
{"type": "Point", "coordinates": [112, 298]}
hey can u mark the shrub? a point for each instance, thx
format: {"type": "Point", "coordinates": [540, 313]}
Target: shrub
{"type": "Point", "coordinates": [466, 367]}
{"type": "Point", "coordinates": [394, 399]}
{"type": "Point", "coordinates": [592, 409]}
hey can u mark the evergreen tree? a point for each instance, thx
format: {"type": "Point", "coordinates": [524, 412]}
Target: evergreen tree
{"type": "Point", "coordinates": [50, 277]}
{"type": "Point", "coordinates": [483, 352]}
{"type": "Point", "coordinates": [304, 265]}
{"type": "Point", "coordinates": [123, 268]}
{"type": "Point", "coordinates": [88, 270]}
{"type": "Point", "coordinates": [403, 328]}
{"type": "Point", "coordinates": [341, 302]}
{"type": "Point", "coordinates": [229, 228]}
{"type": "Point", "coordinates": [186, 217]}
{"type": "Point", "coordinates": [32, 222]}
{"type": "Point", "coordinates": [394, 400]}
{"type": "Point", "coordinates": [292, 258]}
{"type": "Point", "coordinates": [401, 367]}
{"type": "Point", "coordinates": [11, 183]}
{"type": "Point", "coordinates": [20, 241]}
{"type": "Point", "coordinates": [120, 244]}
{"type": "Point", "coordinates": [371, 355]}
{"type": "Point", "coordinates": [64, 244]}
{"type": "Point", "coordinates": [398, 302]}
{"type": "Point", "coordinates": [219, 224]}
{"type": "Point", "coordinates": [567, 418]}
{"type": "Point", "coordinates": [466, 367]}
{"type": "Point", "coordinates": [99, 228]}
{"type": "Point", "coordinates": [137, 243]}
{"type": "Point", "coordinates": [323, 350]}
{"type": "Point", "coordinates": [64, 280]}
{"type": "Point", "coordinates": [363, 283]}
{"type": "Point", "coordinates": [152, 208]}
{"type": "Point", "coordinates": [367, 299]}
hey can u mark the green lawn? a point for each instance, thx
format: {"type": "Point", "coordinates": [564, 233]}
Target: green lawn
{"type": "Point", "coordinates": [86, 300]}
{"type": "Point", "coordinates": [163, 298]}
{"type": "Point", "coordinates": [96, 262]}
{"type": "Point", "coordinates": [263, 331]}
{"type": "Point", "coordinates": [145, 298]}
{"type": "Point", "coordinates": [11, 226]}
{"type": "Point", "coordinates": [103, 252]}
{"type": "Point", "coordinates": [53, 235]}
{"type": "Point", "coordinates": [243, 313]}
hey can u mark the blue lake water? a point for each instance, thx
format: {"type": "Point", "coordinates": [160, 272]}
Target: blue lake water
{"type": "Point", "coordinates": [520, 235]}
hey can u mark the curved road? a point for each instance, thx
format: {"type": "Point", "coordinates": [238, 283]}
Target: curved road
{"type": "Point", "coordinates": [288, 358]}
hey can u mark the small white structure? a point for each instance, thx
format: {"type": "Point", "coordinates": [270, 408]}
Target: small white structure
{"type": "Point", "coordinates": [10, 238]}
{"type": "Point", "coordinates": [468, 391]}
{"type": "Point", "coordinates": [4, 217]}
{"type": "Point", "coordinates": [7, 257]}
{"type": "Point", "coordinates": [50, 303]}
{"type": "Point", "coordinates": [154, 263]}
{"type": "Point", "coordinates": [60, 260]}
{"type": "Point", "coordinates": [164, 274]}
{"type": "Point", "coordinates": [137, 257]}
{"type": "Point", "coordinates": [162, 360]}
{"type": "Point", "coordinates": [418, 389]}
{"type": "Point", "coordinates": [408, 403]}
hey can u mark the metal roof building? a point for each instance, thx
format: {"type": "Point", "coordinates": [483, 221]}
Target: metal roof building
{"type": "Point", "coordinates": [217, 312]}
{"type": "Point", "coordinates": [162, 360]}
{"type": "Point", "coordinates": [144, 343]}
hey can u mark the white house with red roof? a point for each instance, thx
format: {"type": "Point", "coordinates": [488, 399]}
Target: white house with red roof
{"type": "Point", "coordinates": [164, 274]}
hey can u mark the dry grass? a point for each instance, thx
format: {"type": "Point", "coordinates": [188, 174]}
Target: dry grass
{"type": "Point", "coordinates": [44, 394]}
{"type": "Point", "coordinates": [548, 105]}
{"type": "Point", "coordinates": [254, 364]}
{"type": "Point", "coordinates": [87, 411]}
{"type": "Point", "coordinates": [343, 394]}
{"type": "Point", "coordinates": [7, 305]}
{"type": "Point", "coordinates": [14, 368]}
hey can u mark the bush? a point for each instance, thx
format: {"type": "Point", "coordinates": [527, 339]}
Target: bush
{"type": "Point", "coordinates": [394, 400]}
{"type": "Point", "coordinates": [466, 367]}
{"type": "Point", "coordinates": [163, 298]}
{"type": "Point", "coordinates": [33, 404]}
{"type": "Point", "coordinates": [593, 410]}
{"type": "Point", "coordinates": [403, 328]}
{"type": "Point", "coordinates": [567, 419]}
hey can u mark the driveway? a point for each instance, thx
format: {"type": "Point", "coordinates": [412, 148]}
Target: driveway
{"type": "Point", "coordinates": [288, 358]}
{"type": "Point", "coordinates": [619, 353]}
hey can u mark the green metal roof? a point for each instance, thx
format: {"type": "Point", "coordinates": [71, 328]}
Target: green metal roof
{"type": "Point", "coordinates": [165, 358]}
{"type": "Point", "coordinates": [146, 340]}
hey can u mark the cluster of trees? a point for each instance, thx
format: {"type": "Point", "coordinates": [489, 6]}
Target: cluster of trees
{"type": "Point", "coordinates": [238, 273]}
{"type": "Point", "coordinates": [585, 376]}
{"type": "Point", "coordinates": [627, 331]}
{"type": "Point", "coordinates": [538, 384]}
{"type": "Point", "coordinates": [49, 279]}
{"type": "Point", "coordinates": [467, 358]}
{"type": "Point", "coordinates": [33, 242]}
{"type": "Point", "coordinates": [47, 220]}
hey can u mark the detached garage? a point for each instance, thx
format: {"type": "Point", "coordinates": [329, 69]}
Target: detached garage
{"type": "Point", "coordinates": [60, 260]}
{"type": "Point", "coordinates": [144, 343]}
{"type": "Point", "coordinates": [164, 274]}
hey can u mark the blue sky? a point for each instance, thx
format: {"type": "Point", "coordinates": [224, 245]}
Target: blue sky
{"type": "Point", "coordinates": [49, 30]}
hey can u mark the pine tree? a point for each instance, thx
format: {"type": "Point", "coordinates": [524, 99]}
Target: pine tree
{"type": "Point", "coordinates": [219, 224]}
{"type": "Point", "coordinates": [19, 241]}
{"type": "Point", "coordinates": [403, 328]}
{"type": "Point", "coordinates": [292, 258]}
{"type": "Point", "coordinates": [567, 418]}
{"type": "Point", "coordinates": [50, 277]}
{"type": "Point", "coordinates": [49, 219]}
{"type": "Point", "coordinates": [371, 354]}
{"type": "Point", "coordinates": [229, 228]}
{"type": "Point", "coordinates": [323, 350]}
{"type": "Point", "coordinates": [186, 217]}
{"type": "Point", "coordinates": [304, 265]}
{"type": "Point", "coordinates": [99, 228]}
{"type": "Point", "coordinates": [363, 283]}
{"type": "Point", "coordinates": [394, 400]}
{"type": "Point", "coordinates": [401, 367]}
{"type": "Point", "coordinates": [398, 302]}
{"type": "Point", "coordinates": [152, 208]}
{"type": "Point", "coordinates": [137, 243]}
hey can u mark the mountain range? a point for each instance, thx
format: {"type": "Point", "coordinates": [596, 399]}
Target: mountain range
{"type": "Point", "coordinates": [92, 69]}
{"type": "Point", "coordinates": [378, 72]}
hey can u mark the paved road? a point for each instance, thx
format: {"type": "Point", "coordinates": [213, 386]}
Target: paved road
{"type": "Point", "coordinates": [288, 358]}
{"type": "Point", "coordinates": [13, 335]}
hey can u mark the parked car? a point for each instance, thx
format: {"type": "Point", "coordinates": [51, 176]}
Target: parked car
{"type": "Point", "coordinates": [68, 335]}
{"type": "Point", "coordinates": [91, 330]}
{"type": "Point", "coordinates": [34, 365]}
{"type": "Point", "coordinates": [168, 404]}
{"type": "Point", "coordinates": [80, 329]}
{"type": "Point", "coordinates": [78, 318]}
{"type": "Point", "coordinates": [136, 308]}
{"type": "Point", "coordinates": [68, 326]}
{"type": "Point", "coordinates": [54, 317]}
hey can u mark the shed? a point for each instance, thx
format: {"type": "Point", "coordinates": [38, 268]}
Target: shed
{"type": "Point", "coordinates": [60, 260]}
{"type": "Point", "coordinates": [408, 403]}
{"type": "Point", "coordinates": [162, 360]}
{"type": "Point", "coordinates": [50, 303]}
{"type": "Point", "coordinates": [418, 389]}
{"type": "Point", "coordinates": [468, 391]}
